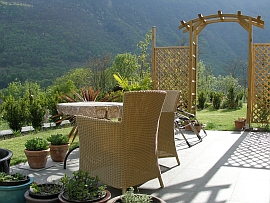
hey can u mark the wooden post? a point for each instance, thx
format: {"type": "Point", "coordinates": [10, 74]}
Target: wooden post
{"type": "Point", "coordinates": [190, 66]}
{"type": "Point", "coordinates": [250, 74]}
{"type": "Point", "coordinates": [154, 80]}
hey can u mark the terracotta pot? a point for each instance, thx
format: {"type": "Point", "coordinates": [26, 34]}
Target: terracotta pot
{"type": "Point", "coordinates": [58, 152]}
{"type": "Point", "coordinates": [198, 128]}
{"type": "Point", "coordinates": [37, 159]}
{"type": "Point", "coordinates": [103, 200]}
{"type": "Point", "coordinates": [118, 200]}
{"type": "Point", "coordinates": [239, 124]}
{"type": "Point", "coordinates": [187, 127]}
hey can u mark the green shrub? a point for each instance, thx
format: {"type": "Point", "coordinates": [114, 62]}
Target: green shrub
{"type": "Point", "coordinates": [36, 144]}
{"type": "Point", "coordinates": [15, 113]}
{"type": "Point", "coordinates": [201, 100]}
{"type": "Point", "coordinates": [58, 139]}
{"type": "Point", "coordinates": [36, 113]}
{"type": "Point", "coordinates": [232, 98]}
{"type": "Point", "coordinates": [217, 98]}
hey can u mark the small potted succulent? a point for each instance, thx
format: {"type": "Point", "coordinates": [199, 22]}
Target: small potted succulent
{"type": "Point", "coordinates": [58, 147]}
{"type": "Point", "coordinates": [81, 187]}
{"type": "Point", "coordinates": [13, 187]}
{"type": "Point", "coordinates": [131, 197]}
{"type": "Point", "coordinates": [36, 151]}
{"type": "Point", "coordinates": [44, 193]}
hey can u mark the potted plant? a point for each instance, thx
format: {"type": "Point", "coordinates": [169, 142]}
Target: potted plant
{"type": "Point", "coordinates": [197, 126]}
{"type": "Point", "coordinates": [58, 147]}
{"type": "Point", "coordinates": [131, 197]}
{"type": "Point", "coordinates": [36, 152]}
{"type": "Point", "coordinates": [81, 187]}
{"type": "Point", "coordinates": [239, 123]}
{"type": "Point", "coordinates": [13, 187]}
{"type": "Point", "coordinates": [43, 193]}
{"type": "Point", "coordinates": [195, 123]}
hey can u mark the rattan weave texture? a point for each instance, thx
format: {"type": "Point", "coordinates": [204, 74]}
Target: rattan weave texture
{"type": "Point", "coordinates": [124, 153]}
{"type": "Point", "coordinates": [166, 141]}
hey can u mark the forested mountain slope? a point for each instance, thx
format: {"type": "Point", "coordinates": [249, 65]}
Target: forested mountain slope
{"type": "Point", "coordinates": [42, 39]}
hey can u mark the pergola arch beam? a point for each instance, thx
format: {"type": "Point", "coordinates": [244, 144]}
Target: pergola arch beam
{"type": "Point", "coordinates": [243, 20]}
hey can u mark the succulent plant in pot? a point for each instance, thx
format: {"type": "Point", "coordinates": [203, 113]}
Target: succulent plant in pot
{"type": "Point", "coordinates": [58, 147]}
{"type": "Point", "coordinates": [13, 179]}
{"type": "Point", "coordinates": [81, 187]}
{"type": "Point", "coordinates": [36, 152]}
{"type": "Point", "coordinates": [131, 197]}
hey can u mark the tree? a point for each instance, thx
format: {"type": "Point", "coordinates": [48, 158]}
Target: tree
{"type": "Point", "coordinates": [100, 77]}
{"type": "Point", "coordinates": [236, 67]}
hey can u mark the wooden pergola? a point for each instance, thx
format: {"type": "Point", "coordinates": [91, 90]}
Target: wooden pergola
{"type": "Point", "coordinates": [194, 27]}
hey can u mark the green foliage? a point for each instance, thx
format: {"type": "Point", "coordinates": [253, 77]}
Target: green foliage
{"type": "Point", "coordinates": [232, 98]}
{"type": "Point", "coordinates": [46, 189]}
{"type": "Point", "coordinates": [36, 144]}
{"type": "Point", "coordinates": [126, 64]}
{"type": "Point", "coordinates": [37, 112]}
{"type": "Point", "coordinates": [143, 58]}
{"type": "Point", "coordinates": [139, 84]}
{"type": "Point", "coordinates": [23, 104]}
{"type": "Point", "coordinates": [81, 187]}
{"type": "Point", "coordinates": [201, 100]}
{"type": "Point", "coordinates": [58, 139]}
{"type": "Point", "coordinates": [14, 112]}
{"type": "Point", "coordinates": [130, 197]}
{"type": "Point", "coordinates": [11, 177]}
{"type": "Point", "coordinates": [217, 98]}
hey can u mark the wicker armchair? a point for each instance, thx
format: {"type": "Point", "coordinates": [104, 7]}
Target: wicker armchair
{"type": "Point", "coordinates": [123, 154]}
{"type": "Point", "coordinates": [166, 141]}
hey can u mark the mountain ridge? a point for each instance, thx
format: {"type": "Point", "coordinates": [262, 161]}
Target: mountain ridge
{"type": "Point", "coordinates": [41, 40]}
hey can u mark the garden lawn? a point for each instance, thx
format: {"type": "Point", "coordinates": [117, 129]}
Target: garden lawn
{"type": "Point", "coordinates": [222, 119]}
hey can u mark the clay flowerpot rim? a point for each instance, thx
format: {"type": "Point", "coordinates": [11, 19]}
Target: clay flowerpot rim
{"type": "Point", "coordinates": [58, 144]}
{"type": "Point", "coordinates": [47, 150]}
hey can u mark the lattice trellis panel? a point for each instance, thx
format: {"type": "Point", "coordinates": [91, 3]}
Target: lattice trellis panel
{"type": "Point", "coordinates": [261, 90]}
{"type": "Point", "coordinates": [172, 70]}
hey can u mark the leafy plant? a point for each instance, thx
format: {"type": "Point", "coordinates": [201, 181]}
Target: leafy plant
{"type": "Point", "coordinates": [58, 139]}
{"type": "Point", "coordinates": [4, 177]}
{"type": "Point", "coordinates": [217, 98]}
{"type": "Point", "coordinates": [14, 112]}
{"type": "Point", "coordinates": [46, 189]}
{"type": "Point", "coordinates": [81, 187]}
{"type": "Point", "coordinates": [37, 113]}
{"type": "Point", "coordinates": [232, 98]}
{"type": "Point", "coordinates": [201, 100]}
{"type": "Point", "coordinates": [36, 144]}
{"type": "Point", "coordinates": [130, 197]}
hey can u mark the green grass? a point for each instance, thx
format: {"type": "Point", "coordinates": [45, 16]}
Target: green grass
{"type": "Point", "coordinates": [16, 144]}
{"type": "Point", "coordinates": [222, 119]}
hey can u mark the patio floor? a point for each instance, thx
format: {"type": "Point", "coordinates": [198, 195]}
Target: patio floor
{"type": "Point", "coordinates": [227, 166]}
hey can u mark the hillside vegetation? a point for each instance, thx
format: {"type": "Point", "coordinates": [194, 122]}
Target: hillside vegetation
{"type": "Point", "coordinates": [42, 40]}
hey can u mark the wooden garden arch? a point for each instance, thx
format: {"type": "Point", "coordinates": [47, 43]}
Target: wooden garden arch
{"type": "Point", "coordinates": [194, 27]}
